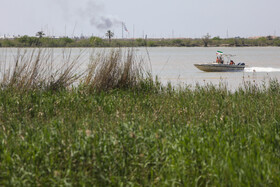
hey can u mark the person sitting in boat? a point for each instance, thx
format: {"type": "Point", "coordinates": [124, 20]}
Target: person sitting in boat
{"type": "Point", "coordinates": [217, 60]}
{"type": "Point", "coordinates": [221, 60]}
{"type": "Point", "coordinates": [231, 62]}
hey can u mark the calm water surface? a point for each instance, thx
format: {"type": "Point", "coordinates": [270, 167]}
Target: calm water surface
{"type": "Point", "coordinates": [175, 65]}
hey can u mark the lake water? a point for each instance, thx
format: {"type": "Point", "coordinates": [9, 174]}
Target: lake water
{"type": "Point", "coordinates": [175, 65]}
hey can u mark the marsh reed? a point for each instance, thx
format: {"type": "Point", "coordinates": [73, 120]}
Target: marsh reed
{"type": "Point", "coordinates": [106, 70]}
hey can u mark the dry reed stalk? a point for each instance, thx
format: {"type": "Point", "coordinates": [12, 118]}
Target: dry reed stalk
{"type": "Point", "coordinates": [34, 70]}
{"type": "Point", "coordinates": [114, 70]}
{"type": "Point", "coordinates": [65, 75]}
{"type": "Point", "coordinates": [106, 70]}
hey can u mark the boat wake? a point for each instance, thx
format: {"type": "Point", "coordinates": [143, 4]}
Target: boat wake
{"type": "Point", "coordinates": [261, 69]}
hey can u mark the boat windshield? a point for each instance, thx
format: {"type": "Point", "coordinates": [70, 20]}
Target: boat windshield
{"type": "Point", "coordinates": [220, 58]}
{"type": "Point", "coordinates": [228, 57]}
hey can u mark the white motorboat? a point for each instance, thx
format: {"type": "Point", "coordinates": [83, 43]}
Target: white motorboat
{"type": "Point", "coordinates": [215, 67]}
{"type": "Point", "coordinates": [220, 66]}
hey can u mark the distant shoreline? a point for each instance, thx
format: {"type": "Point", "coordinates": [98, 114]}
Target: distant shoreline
{"type": "Point", "coordinates": [27, 41]}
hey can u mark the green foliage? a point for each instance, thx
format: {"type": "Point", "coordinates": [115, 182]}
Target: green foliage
{"type": "Point", "coordinates": [148, 137]}
{"type": "Point", "coordinates": [7, 43]}
{"type": "Point", "coordinates": [262, 41]}
{"type": "Point", "coordinates": [26, 41]}
{"type": "Point", "coordinates": [141, 42]}
{"type": "Point", "coordinates": [96, 41]}
{"type": "Point", "coordinates": [178, 42]}
{"type": "Point", "coordinates": [118, 127]}
{"type": "Point", "coordinates": [65, 41]}
{"type": "Point", "coordinates": [151, 43]}
{"type": "Point", "coordinates": [216, 41]}
{"type": "Point", "coordinates": [276, 42]}
{"type": "Point", "coordinates": [216, 38]}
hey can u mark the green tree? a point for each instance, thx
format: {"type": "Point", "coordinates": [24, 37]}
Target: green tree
{"type": "Point", "coordinates": [269, 37]}
{"type": "Point", "coordinates": [230, 41]}
{"type": "Point", "coordinates": [27, 41]}
{"type": "Point", "coordinates": [177, 42]}
{"type": "Point", "coordinates": [110, 35]}
{"type": "Point", "coordinates": [262, 41]}
{"type": "Point", "coordinates": [24, 40]}
{"type": "Point", "coordinates": [206, 39]}
{"type": "Point", "coordinates": [237, 41]}
{"type": "Point", "coordinates": [276, 42]}
{"type": "Point", "coordinates": [217, 38]}
{"type": "Point", "coordinates": [216, 41]}
{"type": "Point", "coordinates": [140, 42]}
{"type": "Point", "coordinates": [40, 34]}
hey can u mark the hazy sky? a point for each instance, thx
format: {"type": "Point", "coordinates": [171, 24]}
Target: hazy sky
{"type": "Point", "coordinates": [156, 18]}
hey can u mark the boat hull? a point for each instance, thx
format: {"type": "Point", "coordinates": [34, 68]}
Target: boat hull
{"type": "Point", "coordinates": [219, 67]}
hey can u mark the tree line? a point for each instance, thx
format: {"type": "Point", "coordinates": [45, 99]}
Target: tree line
{"type": "Point", "coordinates": [207, 41]}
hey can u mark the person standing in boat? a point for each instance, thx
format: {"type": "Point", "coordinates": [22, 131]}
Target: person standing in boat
{"type": "Point", "coordinates": [221, 60]}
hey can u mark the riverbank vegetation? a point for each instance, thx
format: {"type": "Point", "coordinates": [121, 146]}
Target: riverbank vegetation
{"type": "Point", "coordinates": [120, 127]}
{"type": "Point", "coordinates": [26, 41]}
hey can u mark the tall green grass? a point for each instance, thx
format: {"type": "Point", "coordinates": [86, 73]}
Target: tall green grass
{"type": "Point", "coordinates": [144, 135]}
